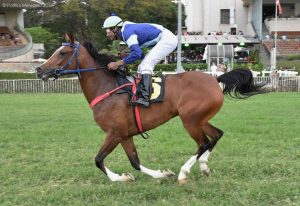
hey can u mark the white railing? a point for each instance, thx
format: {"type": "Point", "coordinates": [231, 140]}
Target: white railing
{"type": "Point", "coordinates": [38, 86]}
{"type": "Point", "coordinates": [278, 84]}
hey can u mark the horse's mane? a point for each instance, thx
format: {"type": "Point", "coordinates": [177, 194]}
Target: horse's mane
{"type": "Point", "coordinates": [102, 59]}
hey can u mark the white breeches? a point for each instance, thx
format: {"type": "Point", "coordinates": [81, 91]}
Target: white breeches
{"type": "Point", "coordinates": [165, 46]}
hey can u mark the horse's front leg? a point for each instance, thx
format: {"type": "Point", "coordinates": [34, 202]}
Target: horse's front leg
{"type": "Point", "coordinates": [110, 143]}
{"type": "Point", "coordinates": [130, 149]}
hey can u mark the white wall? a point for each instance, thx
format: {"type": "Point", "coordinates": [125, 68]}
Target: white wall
{"type": "Point", "coordinates": [14, 17]}
{"type": "Point", "coordinates": [204, 15]}
{"type": "Point", "coordinates": [297, 9]}
{"type": "Point", "coordinates": [20, 18]}
{"type": "Point", "coordinates": [10, 18]}
{"type": "Point", "coordinates": [242, 19]}
{"type": "Point", "coordinates": [194, 18]}
{"type": "Point", "coordinates": [284, 24]}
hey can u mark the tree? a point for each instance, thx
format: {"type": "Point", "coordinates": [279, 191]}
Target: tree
{"type": "Point", "coordinates": [51, 40]}
{"type": "Point", "coordinates": [85, 18]}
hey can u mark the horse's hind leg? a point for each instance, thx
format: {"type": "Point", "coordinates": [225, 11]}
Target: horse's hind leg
{"type": "Point", "coordinates": [195, 130]}
{"type": "Point", "coordinates": [206, 137]}
{"type": "Point", "coordinates": [130, 149]}
{"type": "Point", "coordinates": [213, 135]}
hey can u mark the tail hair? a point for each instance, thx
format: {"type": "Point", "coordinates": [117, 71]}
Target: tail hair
{"type": "Point", "coordinates": [239, 84]}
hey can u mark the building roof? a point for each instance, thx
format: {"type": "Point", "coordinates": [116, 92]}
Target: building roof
{"type": "Point", "coordinates": [216, 39]}
{"type": "Point", "coordinates": [21, 4]}
{"type": "Point", "coordinates": [284, 47]}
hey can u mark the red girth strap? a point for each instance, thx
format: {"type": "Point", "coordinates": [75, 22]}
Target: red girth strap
{"type": "Point", "coordinates": [136, 109]}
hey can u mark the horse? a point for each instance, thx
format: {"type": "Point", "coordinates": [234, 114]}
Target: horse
{"type": "Point", "coordinates": [194, 96]}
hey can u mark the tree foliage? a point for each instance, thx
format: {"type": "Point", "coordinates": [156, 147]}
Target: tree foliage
{"type": "Point", "coordinates": [85, 18]}
{"type": "Point", "coordinates": [51, 40]}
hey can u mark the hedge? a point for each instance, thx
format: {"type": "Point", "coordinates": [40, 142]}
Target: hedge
{"type": "Point", "coordinates": [293, 57]}
{"type": "Point", "coordinates": [17, 75]}
{"type": "Point", "coordinates": [172, 67]}
{"type": "Point", "coordinates": [295, 65]}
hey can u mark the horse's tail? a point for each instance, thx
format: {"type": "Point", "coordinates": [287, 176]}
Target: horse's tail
{"type": "Point", "coordinates": [239, 84]}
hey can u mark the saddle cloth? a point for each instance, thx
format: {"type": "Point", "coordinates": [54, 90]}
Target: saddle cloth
{"type": "Point", "coordinates": [158, 87]}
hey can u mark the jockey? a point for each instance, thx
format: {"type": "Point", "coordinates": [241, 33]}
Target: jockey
{"type": "Point", "coordinates": [138, 36]}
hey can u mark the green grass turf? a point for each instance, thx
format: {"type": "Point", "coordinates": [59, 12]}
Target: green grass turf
{"type": "Point", "coordinates": [48, 144]}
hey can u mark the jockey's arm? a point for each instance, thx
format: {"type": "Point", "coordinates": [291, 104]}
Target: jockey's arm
{"type": "Point", "coordinates": [135, 50]}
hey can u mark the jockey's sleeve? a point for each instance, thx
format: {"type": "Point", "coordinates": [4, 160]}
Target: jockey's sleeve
{"type": "Point", "coordinates": [135, 50]}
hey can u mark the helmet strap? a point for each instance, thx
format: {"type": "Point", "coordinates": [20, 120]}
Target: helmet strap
{"type": "Point", "coordinates": [115, 31]}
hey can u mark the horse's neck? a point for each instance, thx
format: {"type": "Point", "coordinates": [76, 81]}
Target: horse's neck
{"type": "Point", "coordinates": [96, 83]}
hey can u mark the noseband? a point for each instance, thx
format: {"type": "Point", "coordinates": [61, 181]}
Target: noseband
{"type": "Point", "coordinates": [63, 71]}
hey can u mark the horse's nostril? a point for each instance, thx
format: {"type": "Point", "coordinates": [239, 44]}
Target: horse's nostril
{"type": "Point", "coordinates": [38, 69]}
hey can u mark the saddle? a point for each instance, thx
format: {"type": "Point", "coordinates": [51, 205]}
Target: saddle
{"type": "Point", "coordinates": [158, 85]}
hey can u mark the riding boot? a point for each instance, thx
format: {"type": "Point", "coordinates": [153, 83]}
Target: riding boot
{"type": "Point", "coordinates": [144, 89]}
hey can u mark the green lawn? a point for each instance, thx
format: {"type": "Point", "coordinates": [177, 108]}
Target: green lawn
{"type": "Point", "coordinates": [48, 144]}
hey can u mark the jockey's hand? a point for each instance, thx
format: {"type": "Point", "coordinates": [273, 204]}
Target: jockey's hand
{"type": "Point", "coordinates": [115, 65]}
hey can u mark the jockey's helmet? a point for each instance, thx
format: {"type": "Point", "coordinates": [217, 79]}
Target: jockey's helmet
{"type": "Point", "coordinates": [112, 21]}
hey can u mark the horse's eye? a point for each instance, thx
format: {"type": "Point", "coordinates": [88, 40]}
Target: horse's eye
{"type": "Point", "coordinates": [62, 54]}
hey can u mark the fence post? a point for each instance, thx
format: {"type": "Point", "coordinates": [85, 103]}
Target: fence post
{"type": "Point", "coordinates": [274, 80]}
{"type": "Point", "coordinates": [14, 86]}
{"type": "Point", "coordinates": [72, 86]}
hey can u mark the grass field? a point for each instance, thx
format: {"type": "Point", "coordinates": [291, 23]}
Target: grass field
{"type": "Point", "coordinates": [48, 144]}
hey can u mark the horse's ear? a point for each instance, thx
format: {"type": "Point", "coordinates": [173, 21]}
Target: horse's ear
{"type": "Point", "coordinates": [69, 37]}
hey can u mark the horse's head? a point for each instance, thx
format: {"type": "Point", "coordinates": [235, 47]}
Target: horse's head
{"type": "Point", "coordinates": [64, 60]}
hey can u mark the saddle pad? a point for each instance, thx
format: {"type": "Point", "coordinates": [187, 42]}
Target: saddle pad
{"type": "Point", "coordinates": [158, 87]}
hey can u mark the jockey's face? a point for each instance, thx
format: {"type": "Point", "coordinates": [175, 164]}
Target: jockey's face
{"type": "Point", "coordinates": [111, 33]}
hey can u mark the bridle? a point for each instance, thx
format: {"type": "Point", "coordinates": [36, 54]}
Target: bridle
{"type": "Point", "coordinates": [63, 70]}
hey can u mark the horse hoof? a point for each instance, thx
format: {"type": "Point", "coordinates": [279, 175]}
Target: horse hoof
{"type": "Point", "coordinates": [168, 173]}
{"type": "Point", "coordinates": [206, 172]}
{"type": "Point", "coordinates": [205, 169]}
{"type": "Point", "coordinates": [182, 181]}
{"type": "Point", "coordinates": [127, 177]}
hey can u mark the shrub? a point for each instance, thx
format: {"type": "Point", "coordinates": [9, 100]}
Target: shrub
{"type": "Point", "coordinates": [295, 65]}
{"type": "Point", "coordinates": [17, 75]}
{"type": "Point", "coordinates": [255, 67]}
{"type": "Point", "coordinates": [172, 67]}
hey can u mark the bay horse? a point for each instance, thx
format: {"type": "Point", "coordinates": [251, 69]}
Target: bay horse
{"type": "Point", "coordinates": [193, 96]}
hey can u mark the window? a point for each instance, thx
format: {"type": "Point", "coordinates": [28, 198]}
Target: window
{"type": "Point", "coordinates": [225, 16]}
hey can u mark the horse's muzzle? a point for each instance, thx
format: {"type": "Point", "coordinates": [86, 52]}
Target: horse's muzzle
{"type": "Point", "coordinates": [39, 72]}
{"type": "Point", "coordinates": [45, 74]}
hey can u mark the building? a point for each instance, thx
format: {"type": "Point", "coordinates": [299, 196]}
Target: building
{"type": "Point", "coordinates": [243, 22]}
{"type": "Point", "coordinates": [15, 43]}
{"type": "Point", "coordinates": [251, 17]}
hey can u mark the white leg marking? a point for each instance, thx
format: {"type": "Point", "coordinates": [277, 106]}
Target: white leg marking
{"type": "Point", "coordinates": [185, 169]}
{"type": "Point", "coordinates": [203, 162]}
{"type": "Point", "coordinates": [156, 174]}
{"type": "Point", "coordinates": [118, 178]}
